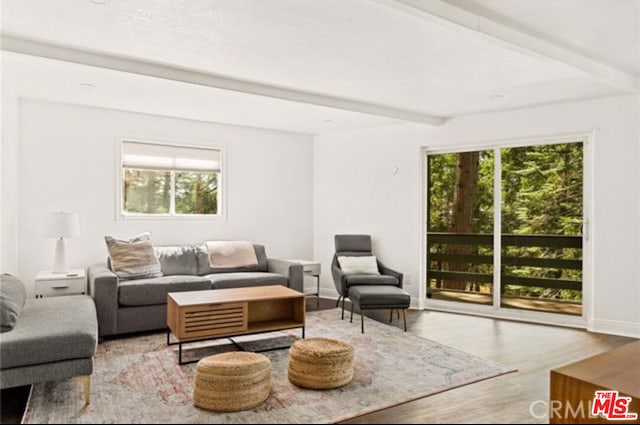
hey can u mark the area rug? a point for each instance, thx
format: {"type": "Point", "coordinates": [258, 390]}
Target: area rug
{"type": "Point", "coordinates": [138, 380]}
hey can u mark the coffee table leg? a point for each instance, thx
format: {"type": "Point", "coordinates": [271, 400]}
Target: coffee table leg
{"type": "Point", "coordinates": [303, 330]}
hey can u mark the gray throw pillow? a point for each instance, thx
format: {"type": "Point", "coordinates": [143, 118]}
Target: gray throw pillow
{"type": "Point", "coordinates": [12, 298]}
{"type": "Point", "coordinates": [133, 259]}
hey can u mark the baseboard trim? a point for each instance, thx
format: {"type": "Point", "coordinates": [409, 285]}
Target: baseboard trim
{"type": "Point", "coordinates": [615, 327]}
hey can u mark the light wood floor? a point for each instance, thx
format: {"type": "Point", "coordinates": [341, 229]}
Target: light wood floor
{"type": "Point", "coordinates": [532, 349]}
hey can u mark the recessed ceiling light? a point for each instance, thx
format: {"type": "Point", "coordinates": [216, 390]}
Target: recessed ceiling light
{"type": "Point", "coordinates": [497, 97]}
{"type": "Point", "coordinates": [87, 85]}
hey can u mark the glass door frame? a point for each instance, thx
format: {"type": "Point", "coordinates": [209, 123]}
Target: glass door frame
{"type": "Point", "coordinates": [587, 139]}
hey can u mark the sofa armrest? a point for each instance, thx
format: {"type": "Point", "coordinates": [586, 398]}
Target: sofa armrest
{"type": "Point", "coordinates": [292, 270]}
{"type": "Point", "coordinates": [103, 287]}
{"type": "Point", "coordinates": [390, 272]}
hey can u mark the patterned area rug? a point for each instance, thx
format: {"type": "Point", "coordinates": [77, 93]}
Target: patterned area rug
{"type": "Point", "coordinates": [138, 380]}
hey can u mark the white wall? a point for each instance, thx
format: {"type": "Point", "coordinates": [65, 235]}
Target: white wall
{"type": "Point", "coordinates": [66, 160]}
{"type": "Point", "coordinates": [8, 179]}
{"type": "Point", "coordinates": [356, 191]}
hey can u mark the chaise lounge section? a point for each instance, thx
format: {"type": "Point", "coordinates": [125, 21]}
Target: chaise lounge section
{"type": "Point", "coordinates": [53, 339]}
{"type": "Point", "coordinates": [125, 306]}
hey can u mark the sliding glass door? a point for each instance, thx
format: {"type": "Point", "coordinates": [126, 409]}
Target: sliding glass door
{"type": "Point", "coordinates": [460, 226]}
{"type": "Point", "coordinates": [504, 227]}
{"type": "Point", "coordinates": [542, 216]}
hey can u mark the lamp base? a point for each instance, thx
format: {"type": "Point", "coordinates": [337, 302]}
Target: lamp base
{"type": "Point", "coordinates": [60, 258]}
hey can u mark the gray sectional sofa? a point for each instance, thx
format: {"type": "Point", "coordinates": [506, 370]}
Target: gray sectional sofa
{"type": "Point", "coordinates": [125, 306]}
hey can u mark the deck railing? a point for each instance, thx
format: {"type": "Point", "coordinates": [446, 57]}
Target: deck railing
{"type": "Point", "coordinates": [437, 255]}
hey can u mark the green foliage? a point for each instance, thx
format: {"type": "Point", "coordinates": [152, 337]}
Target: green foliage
{"type": "Point", "coordinates": [196, 193]}
{"type": "Point", "coordinates": [442, 182]}
{"type": "Point", "coordinates": [146, 191]}
{"type": "Point", "coordinates": [542, 189]}
{"type": "Point", "coordinates": [149, 192]}
{"type": "Point", "coordinates": [541, 195]}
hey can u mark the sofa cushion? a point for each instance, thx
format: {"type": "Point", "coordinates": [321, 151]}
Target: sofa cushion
{"type": "Point", "coordinates": [371, 279]}
{"type": "Point", "coordinates": [133, 259]}
{"type": "Point", "coordinates": [12, 297]}
{"type": "Point", "coordinates": [205, 269]}
{"type": "Point", "coordinates": [379, 297]}
{"type": "Point", "coordinates": [175, 260]}
{"type": "Point", "coordinates": [50, 330]}
{"type": "Point", "coordinates": [239, 280]}
{"type": "Point", "coordinates": [154, 291]}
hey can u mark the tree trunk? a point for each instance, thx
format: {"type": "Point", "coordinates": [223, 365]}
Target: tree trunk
{"type": "Point", "coordinates": [198, 194]}
{"type": "Point", "coordinates": [463, 202]}
{"type": "Point", "coordinates": [151, 193]}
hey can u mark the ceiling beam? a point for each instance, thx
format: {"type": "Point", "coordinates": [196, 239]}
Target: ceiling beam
{"type": "Point", "coordinates": [517, 37]}
{"type": "Point", "coordinates": [155, 69]}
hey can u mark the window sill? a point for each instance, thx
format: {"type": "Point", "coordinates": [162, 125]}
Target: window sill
{"type": "Point", "coordinates": [168, 217]}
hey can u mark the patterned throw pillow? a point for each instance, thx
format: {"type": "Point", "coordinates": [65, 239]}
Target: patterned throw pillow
{"type": "Point", "coordinates": [133, 259]}
{"type": "Point", "coordinates": [359, 265]}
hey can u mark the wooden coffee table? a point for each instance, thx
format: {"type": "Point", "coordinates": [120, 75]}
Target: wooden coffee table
{"type": "Point", "coordinates": [223, 313]}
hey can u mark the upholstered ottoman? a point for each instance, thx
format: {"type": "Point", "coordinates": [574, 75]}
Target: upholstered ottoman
{"type": "Point", "coordinates": [320, 363]}
{"type": "Point", "coordinates": [233, 381]}
{"type": "Point", "coordinates": [370, 297]}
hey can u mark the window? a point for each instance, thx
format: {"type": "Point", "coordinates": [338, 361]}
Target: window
{"type": "Point", "coordinates": [166, 180]}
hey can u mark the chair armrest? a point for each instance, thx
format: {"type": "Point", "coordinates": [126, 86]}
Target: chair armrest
{"type": "Point", "coordinates": [292, 270]}
{"type": "Point", "coordinates": [339, 280]}
{"type": "Point", "coordinates": [103, 287]}
{"type": "Point", "coordinates": [390, 272]}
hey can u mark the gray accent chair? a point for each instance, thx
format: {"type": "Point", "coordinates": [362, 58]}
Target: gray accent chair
{"type": "Point", "coordinates": [358, 246]}
{"type": "Point", "coordinates": [136, 305]}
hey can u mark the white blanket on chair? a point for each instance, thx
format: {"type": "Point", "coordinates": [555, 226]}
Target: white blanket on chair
{"type": "Point", "coordinates": [231, 254]}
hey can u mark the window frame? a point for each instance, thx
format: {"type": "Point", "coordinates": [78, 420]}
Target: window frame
{"type": "Point", "coordinates": [121, 215]}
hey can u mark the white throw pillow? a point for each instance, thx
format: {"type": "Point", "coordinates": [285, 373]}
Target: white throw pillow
{"type": "Point", "coordinates": [359, 265]}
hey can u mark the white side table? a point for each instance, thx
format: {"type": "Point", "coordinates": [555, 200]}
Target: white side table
{"type": "Point", "coordinates": [311, 268]}
{"type": "Point", "coordinates": [49, 284]}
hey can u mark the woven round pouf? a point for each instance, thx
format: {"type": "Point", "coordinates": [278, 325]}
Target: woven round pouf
{"type": "Point", "coordinates": [320, 363]}
{"type": "Point", "coordinates": [233, 381]}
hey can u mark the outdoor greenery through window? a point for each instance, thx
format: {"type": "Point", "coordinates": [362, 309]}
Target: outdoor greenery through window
{"type": "Point", "coordinates": [160, 179]}
{"type": "Point", "coordinates": [541, 215]}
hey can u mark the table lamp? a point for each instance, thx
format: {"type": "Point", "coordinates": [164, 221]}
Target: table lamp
{"type": "Point", "coordinates": [61, 225]}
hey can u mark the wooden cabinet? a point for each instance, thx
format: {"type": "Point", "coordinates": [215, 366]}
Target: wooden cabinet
{"type": "Point", "coordinates": [197, 315]}
{"type": "Point", "coordinates": [573, 386]}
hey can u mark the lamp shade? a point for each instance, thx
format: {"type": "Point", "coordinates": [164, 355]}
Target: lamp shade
{"type": "Point", "coordinates": [62, 225]}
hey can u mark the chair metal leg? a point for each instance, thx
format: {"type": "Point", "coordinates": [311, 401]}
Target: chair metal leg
{"type": "Point", "coordinates": [404, 318]}
{"type": "Point", "coordinates": [338, 302]}
{"type": "Point", "coordinates": [390, 315]}
{"type": "Point", "coordinates": [343, 308]}
{"type": "Point", "coordinates": [362, 321]}
{"type": "Point", "coordinates": [398, 311]}
{"type": "Point", "coordinates": [351, 320]}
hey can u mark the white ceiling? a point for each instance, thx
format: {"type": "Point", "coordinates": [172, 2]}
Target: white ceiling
{"type": "Point", "coordinates": [606, 30]}
{"type": "Point", "coordinates": [37, 78]}
{"type": "Point", "coordinates": [363, 50]}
